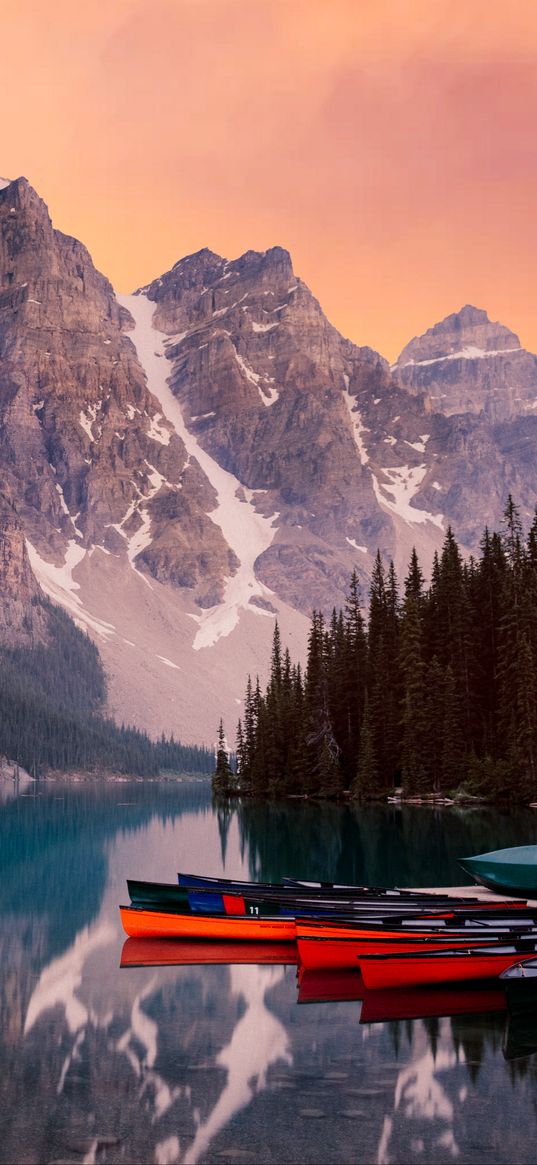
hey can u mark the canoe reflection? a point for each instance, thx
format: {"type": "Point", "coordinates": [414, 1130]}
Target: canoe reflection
{"type": "Point", "coordinates": [171, 952]}
{"type": "Point", "coordinates": [520, 1036]}
{"type": "Point", "coordinates": [329, 986]}
{"type": "Point", "coordinates": [393, 1003]}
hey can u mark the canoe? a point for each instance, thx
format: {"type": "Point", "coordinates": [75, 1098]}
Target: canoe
{"type": "Point", "coordinates": [398, 1003]}
{"type": "Point", "coordinates": [520, 985]}
{"type": "Point", "coordinates": [325, 890]}
{"type": "Point", "coordinates": [344, 888]}
{"type": "Point", "coordinates": [172, 952]}
{"type": "Point", "coordinates": [340, 943]}
{"type": "Point", "coordinates": [157, 894]}
{"type": "Point", "coordinates": [508, 871]}
{"type": "Point", "coordinates": [338, 926]}
{"type": "Point", "coordinates": [212, 900]}
{"type": "Point", "coordinates": [413, 970]}
{"type": "Point", "coordinates": [318, 952]}
{"type": "Point", "coordinates": [144, 922]}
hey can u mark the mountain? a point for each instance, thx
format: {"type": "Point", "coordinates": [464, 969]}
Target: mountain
{"type": "Point", "coordinates": [22, 619]}
{"type": "Point", "coordinates": [466, 364]}
{"type": "Point", "coordinates": [190, 461]}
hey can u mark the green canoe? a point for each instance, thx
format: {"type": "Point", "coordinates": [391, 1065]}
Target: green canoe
{"type": "Point", "coordinates": [508, 871]}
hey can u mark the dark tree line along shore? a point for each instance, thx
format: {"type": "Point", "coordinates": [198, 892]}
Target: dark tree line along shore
{"type": "Point", "coordinates": [51, 700]}
{"type": "Point", "coordinates": [435, 692]}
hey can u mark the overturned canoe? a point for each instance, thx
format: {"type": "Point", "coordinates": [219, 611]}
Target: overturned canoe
{"type": "Point", "coordinates": [143, 922]}
{"type": "Point", "coordinates": [507, 871]}
{"type": "Point", "coordinates": [414, 970]}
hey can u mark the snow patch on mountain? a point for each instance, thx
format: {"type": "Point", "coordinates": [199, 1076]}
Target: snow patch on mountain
{"type": "Point", "coordinates": [264, 327]}
{"type": "Point", "coordinates": [402, 486]}
{"type": "Point", "coordinates": [358, 427]}
{"type": "Point", "coordinates": [469, 352]}
{"type": "Point", "coordinates": [168, 662]}
{"type": "Point", "coordinates": [248, 533]}
{"type": "Point", "coordinates": [156, 431]}
{"type": "Point", "coordinates": [58, 583]}
{"type": "Point", "coordinates": [87, 419]}
{"type": "Point", "coordinates": [268, 395]}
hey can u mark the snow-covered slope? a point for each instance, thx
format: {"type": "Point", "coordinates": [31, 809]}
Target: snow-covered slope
{"type": "Point", "coordinates": [245, 530]}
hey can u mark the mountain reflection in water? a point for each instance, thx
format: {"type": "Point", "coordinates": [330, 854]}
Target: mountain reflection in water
{"type": "Point", "coordinates": [200, 1063]}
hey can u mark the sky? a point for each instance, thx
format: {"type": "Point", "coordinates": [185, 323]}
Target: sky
{"type": "Point", "coordinates": [389, 145]}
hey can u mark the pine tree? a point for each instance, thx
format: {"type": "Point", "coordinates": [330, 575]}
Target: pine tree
{"type": "Point", "coordinates": [452, 764]}
{"type": "Point", "coordinates": [415, 774]}
{"type": "Point", "coordinates": [383, 677]}
{"type": "Point", "coordinates": [366, 783]}
{"type": "Point", "coordinates": [223, 780]}
{"type": "Point", "coordinates": [354, 669]}
{"type": "Point", "coordinates": [240, 754]}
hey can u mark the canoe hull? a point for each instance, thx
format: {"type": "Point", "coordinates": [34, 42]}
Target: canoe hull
{"type": "Point", "coordinates": [417, 970]}
{"type": "Point", "coordinates": [507, 871]}
{"type": "Point", "coordinates": [140, 923]}
{"type": "Point", "coordinates": [324, 954]}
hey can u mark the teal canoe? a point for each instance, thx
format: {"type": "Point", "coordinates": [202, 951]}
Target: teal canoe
{"type": "Point", "coordinates": [507, 871]}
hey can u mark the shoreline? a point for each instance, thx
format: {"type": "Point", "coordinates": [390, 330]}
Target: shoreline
{"type": "Point", "coordinates": [14, 774]}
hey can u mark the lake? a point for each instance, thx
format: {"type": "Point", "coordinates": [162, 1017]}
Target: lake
{"type": "Point", "coordinates": [201, 1063]}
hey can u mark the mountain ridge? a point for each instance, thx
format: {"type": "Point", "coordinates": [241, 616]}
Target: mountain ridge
{"type": "Point", "coordinates": [183, 478]}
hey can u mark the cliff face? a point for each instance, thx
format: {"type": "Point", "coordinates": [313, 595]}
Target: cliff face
{"type": "Point", "coordinates": [23, 622]}
{"type": "Point", "coordinates": [83, 447]}
{"type": "Point", "coordinates": [294, 411]}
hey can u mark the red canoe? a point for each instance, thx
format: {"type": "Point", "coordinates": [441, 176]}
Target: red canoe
{"type": "Point", "coordinates": [413, 970]}
{"type": "Point", "coordinates": [344, 946]}
{"type": "Point", "coordinates": [141, 923]}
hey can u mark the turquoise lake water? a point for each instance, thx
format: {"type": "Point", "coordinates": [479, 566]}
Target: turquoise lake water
{"type": "Point", "coordinates": [198, 1063]}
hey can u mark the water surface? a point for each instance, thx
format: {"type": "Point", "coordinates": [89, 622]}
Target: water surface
{"type": "Point", "coordinates": [222, 1063]}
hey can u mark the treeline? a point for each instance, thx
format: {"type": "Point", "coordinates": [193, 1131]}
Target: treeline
{"type": "Point", "coordinates": [435, 690]}
{"type": "Point", "coordinates": [51, 700]}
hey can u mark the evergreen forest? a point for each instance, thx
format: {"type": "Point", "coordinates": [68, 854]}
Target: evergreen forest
{"type": "Point", "coordinates": [51, 701]}
{"type": "Point", "coordinates": [432, 689]}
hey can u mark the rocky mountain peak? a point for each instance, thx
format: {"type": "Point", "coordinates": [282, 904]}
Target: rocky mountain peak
{"type": "Point", "coordinates": [468, 363]}
{"type": "Point", "coordinates": [468, 332]}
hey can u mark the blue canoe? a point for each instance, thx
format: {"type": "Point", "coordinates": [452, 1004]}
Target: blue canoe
{"type": "Point", "coordinates": [507, 871]}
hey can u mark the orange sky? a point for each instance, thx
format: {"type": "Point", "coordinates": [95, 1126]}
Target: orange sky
{"type": "Point", "coordinates": [390, 145]}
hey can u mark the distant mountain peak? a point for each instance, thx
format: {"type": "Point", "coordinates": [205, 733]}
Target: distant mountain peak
{"type": "Point", "coordinates": [204, 254]}
{"type": "Point", "coordinates": [468, 333]}
{"type": "Point", "coordinates": [468, 363]}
